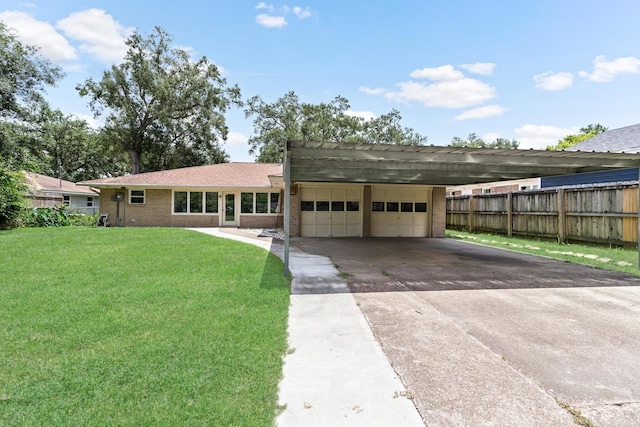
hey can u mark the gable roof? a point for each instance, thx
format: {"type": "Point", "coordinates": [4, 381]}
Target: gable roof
{"type": "Point", "coordinates": [47, 184]}
{"type": "Point", "coordinates": [218, 175]}
{"type": "Point", "coordinates": [626, 139]}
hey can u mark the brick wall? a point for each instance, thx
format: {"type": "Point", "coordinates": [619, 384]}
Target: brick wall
{"type": "Point", "coordinates": [438, 211]}
{"type": "Point", "coordinates": [366, 211]}
{"type": "Point", "coordinates": [259, 221]}
{"type": "Point", "coordinates": [294, 214]}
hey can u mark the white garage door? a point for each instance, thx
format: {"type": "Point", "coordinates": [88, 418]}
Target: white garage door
{"type": "Point", "coordinates": [399, 212]}
{"type": "Point", "coordinates": [330, 212]}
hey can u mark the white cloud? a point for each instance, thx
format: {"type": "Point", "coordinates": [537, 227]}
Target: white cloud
{"type": "Point", "coordinates": [372, 91]}
{"type": "Point", "coordinates": [490, 136]}
{"type": "Point", "coordinates": [302, 13]}
{"type": "Point", "coordinates": [91, 121]}
{"type": "Point", "coordinates": [443, 72]}
{"type": "Point", "coordinates": [460, 93]}
{"type": "Point", "coordinates": [481, 112]}
{"type": "Point", "coordinates": [484, 68]}
{"type": "Point", "coordinates": [236, 138]}
{"type": "Point", "coordinates": [366, 115]}
{"type": "Point", "coordinates": [553, 81]}
{"type": "Point", "coordinates": [606, 71]}
{"type": "Point", "coordinates": [102, 37]}
{"type": "Point", "coordinates": [30, 31]}
{"type": "Point", "coordinates": [271, 21]}
{"type": "Point", "coordinates": [540, 136]}
{"type": "Point", "coordinates": [263, 5]}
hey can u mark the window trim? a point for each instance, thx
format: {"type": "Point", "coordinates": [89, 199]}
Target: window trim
{"type": "Point", "coordinates": [131, 196]}
{"type": "Point", "coordinates": [188, 202]}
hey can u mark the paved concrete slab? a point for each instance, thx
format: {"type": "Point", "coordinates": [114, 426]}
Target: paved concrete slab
{"type": "Point", "coordinates": [483, 336]}
{"type": "Point", "coordinates": [336, 373]}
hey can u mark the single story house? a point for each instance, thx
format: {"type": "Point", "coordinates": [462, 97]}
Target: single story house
{"type": "Point", "coordinates": [333, 189]}
{"type": "Point", "coordinates": [46, 191]}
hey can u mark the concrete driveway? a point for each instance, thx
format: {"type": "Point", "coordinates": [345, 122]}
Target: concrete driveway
{"type": "Point", "coordinates": [483, 336]}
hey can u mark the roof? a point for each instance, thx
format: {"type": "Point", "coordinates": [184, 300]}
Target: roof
{"type": "Point", "coordinates": [47, 184]}
{"type": "Point", "coordinates": [626, 139]}
{"type": "Point", "coordinates": [438, 165]}
{"type": "Point", "coordinates": [218, 175]}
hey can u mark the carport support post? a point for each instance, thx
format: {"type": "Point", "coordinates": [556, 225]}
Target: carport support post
{"type": "Point", "coordinates": [287, 206]}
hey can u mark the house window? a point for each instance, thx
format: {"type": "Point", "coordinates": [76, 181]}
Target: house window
{"type": "Point", "coordinates": [136, 197]}
{"type": "Point", "coordinates": [337, 206]}
{"type": "Point", "coordinates": [353, 206]}
{"type": "Point", "coordinates": [486, 190]}
{"type": "Point", "coordinates": [262, 202]}
{"type": "Point", "coordinates": [211, 201]}
{"type": "Point", "coordinates": [273, 206]}
{"type": "Point", "coordinates": [392, 206]}
{"type": "Point", "coordinates": [406, 207]}
{"type": "Point", "coordinates": [89, 202]}
{"type": "Point", "coordinates": [246, 203]}
{"type": "Point", "coordinates": [322, 206]}
{"type": "Point", "coordinates": [195, 202]}
{"type": "Point", "coordinates": [65, 200]}
{"type": "Point", "coordinates": [307, 206]}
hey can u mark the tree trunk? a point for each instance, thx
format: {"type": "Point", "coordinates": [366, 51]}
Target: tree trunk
{"type": "Point", "coordinates": [135, 162]}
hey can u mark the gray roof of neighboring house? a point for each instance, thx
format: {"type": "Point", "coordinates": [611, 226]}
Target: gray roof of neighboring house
{"type": "Point", "coordinates": [626, 139]}
{"type": "Point", "coordinates": [47, 184]}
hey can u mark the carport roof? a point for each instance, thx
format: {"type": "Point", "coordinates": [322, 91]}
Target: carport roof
{"type": "Point", "coordinates": [438, 165]}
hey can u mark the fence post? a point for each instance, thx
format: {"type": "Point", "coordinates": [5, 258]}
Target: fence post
{"type": "Point", "coordinates": [510, 214]}
{"type": "Point", "coordinates": [470, 213]}
{"type": "Point", "coordinates": [562, 227]}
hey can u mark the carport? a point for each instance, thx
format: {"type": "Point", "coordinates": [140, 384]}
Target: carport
{"type": "Point", "coordinates": [330, 163]}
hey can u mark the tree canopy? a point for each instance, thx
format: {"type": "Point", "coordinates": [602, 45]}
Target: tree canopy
{"type": "Point", "coordinates": [23, 76]}
{"type": "Point", "coordinates": [290, 119]}
{"type": "Point", "coordinates": [474, 140]}
{"type": "Point", "coordinates": [163, 108]}
{"type": "Point", "coordinates": [586, 132]}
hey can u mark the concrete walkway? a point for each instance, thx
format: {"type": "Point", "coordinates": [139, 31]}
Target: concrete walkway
{"type": "Point", "coordinates": [335, 374]}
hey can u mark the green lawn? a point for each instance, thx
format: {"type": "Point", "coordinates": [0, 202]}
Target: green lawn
{"type": "Point", "coordinates": [616, 259]}
{"type": "Point", "coordinates": [149, 326]}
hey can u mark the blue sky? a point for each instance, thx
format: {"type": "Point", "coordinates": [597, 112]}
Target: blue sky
{"type": "Point", "coordinates": [534, 71]}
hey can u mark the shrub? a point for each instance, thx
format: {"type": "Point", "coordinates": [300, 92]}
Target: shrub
{"type": "Point", "coordinates": [55, 216]}
{"type": "Point", "coordinates": [12, 191]}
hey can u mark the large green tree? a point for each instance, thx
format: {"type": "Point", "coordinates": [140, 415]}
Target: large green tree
{"type": "Point", "coordinates": [475, 141]}
{"type": "Point", "coordinates": [586, 132]}
{"type": "Point", "coordinates": [290, 119]}
{"type": "Point", "coordinates": [163, 108]}
{"type": "Point", "coordinates": [23, 76]}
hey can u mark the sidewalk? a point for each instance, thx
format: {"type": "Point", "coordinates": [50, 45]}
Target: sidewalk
{"type": "Point", "coordinates": [335, 374]}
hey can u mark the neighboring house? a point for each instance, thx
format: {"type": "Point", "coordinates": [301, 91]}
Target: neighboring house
{"type": "Point", "coordinates": [226, 194]}
{"type": "Point", "coordinates": [46, 191]}
{"type": "Point", "coordinates": [621, 140]}
{"type": "Point", "coordinates": [494, 187]}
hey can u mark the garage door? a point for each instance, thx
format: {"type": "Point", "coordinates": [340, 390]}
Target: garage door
{"type": "Point", "coordinates": [330, 212]}
{"type": "Point", "coordinates": [399, 212]}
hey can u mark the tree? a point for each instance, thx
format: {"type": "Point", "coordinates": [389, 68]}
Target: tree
{"type": "Point", "coordinates": [289, 119]}
{"type": "Point", "coordinates": [162, 105]}
{"type": "Point", "coordinates": [23, 76]}
{"type": "Point", "coordinates": [475, 141]}
{"type": "Point", "coordinates": [12, 195]}
{"type": "Point", "coordinates": [586, 132]}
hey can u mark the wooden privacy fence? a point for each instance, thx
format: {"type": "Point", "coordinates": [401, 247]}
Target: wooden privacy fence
{"type": "Point", "coordinates": [596, 214]}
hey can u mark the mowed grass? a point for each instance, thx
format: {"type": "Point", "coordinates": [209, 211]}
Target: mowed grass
{"type": "Point", "coordinates": [616, 259]}
{"type": "Point", "coordinates": [123, 326]}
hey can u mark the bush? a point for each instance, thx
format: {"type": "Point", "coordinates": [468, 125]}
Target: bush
{"type": "Point", "coordinates": [55, 216]}
{"type": "Point", "coordinates": [83, 220]}
{"type": "Point", "coordinates": [12, 191]}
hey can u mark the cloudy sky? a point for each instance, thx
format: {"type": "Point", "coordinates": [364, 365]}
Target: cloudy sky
{"type": "Point", "coordinates": [534, 71]}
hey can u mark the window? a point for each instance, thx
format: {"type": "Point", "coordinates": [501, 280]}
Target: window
{"type": "Point", "coordinates": [337, 206]}
{"type": "Point", "coordinates": [273, 206]}
{"type": "Point", "coordinates": [195, 202]}
{"type": "Point", "coordinates": [65, 200]}
{"type": "Point", "coordinates": [406, 207]}
{"type": "Point", "coordinates": [353, 206]}
{"type": "Point", "coordinates": [322, 206]}
{"type": "Point", "coordinates": [262, 202]}
{"type": "Point", "coordinates": [486, 190]}
{"type": "Point", "coordinates": [246, 203]}
{"type": "Point", "coordinates": [89, 202]}
{"type": "Point", "coordinates": [377, 207]}
{"type": "Point", "coordinates": [136, 197]}
{"type": "Point", "coordinates": [211, 202]}
{"type": "Point", "coordinates": [421, 207]}
{"type": "Point", "coordinates": [307, 206]}
{"type": "Point", "coordinates": [392, 206]}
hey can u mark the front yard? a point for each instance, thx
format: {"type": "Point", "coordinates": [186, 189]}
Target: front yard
{"type": "Point", "coordinates": [123, 326]}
